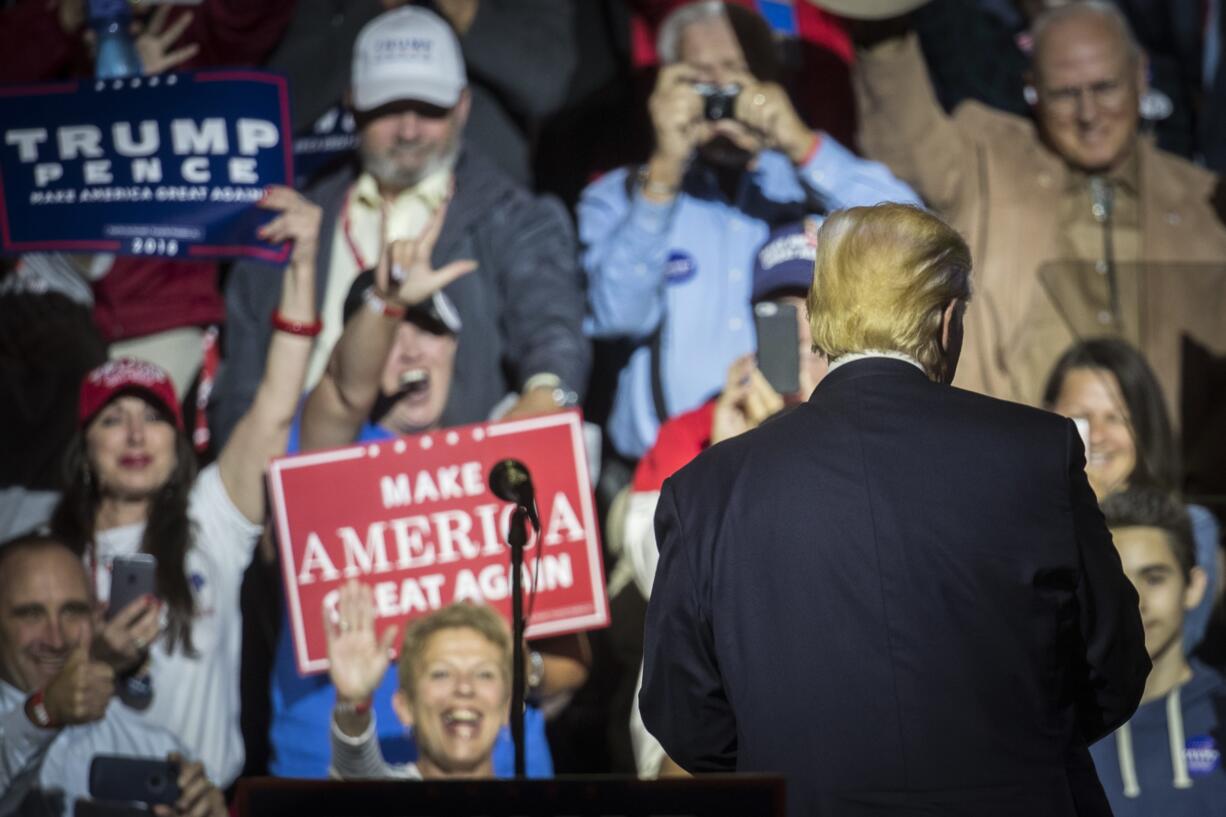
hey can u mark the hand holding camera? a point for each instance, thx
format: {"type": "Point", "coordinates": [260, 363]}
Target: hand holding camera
{"type": "Point", "coordinates": [677, 117]}
{"type": "Point", "coordinates": [765, 111]}
{"type": "Point", "coordinates": [687, 111]}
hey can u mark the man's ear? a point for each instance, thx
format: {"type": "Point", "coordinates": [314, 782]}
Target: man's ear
{"type": "Point", "coordinates": [461, 108]}
{"type": "Point", "coordinates": [402, 707]}
{"type": "Point", "coordinates": [951, 339]}
{"type": "Point", "coordinates": [951, 324]}
{"type": "Point", "coordinates": [1142, 75]}
{"type": "Point", "coordinates": [1198, 581]}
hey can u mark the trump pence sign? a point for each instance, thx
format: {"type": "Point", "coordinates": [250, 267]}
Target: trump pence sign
{"type": "Point", "coordinates": [167, 165]}
{"type": "Point", "coordinates": [414, 518]}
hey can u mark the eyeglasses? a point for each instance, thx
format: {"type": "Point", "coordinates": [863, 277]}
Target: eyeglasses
{"type": "Point", "coordinates": [1108, 94]}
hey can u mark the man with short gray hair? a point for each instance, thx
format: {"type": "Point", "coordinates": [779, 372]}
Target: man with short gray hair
{"type": "Point", "coordinates": [899, 595]}
{"type": "Point", "coordinates": [669, 247]}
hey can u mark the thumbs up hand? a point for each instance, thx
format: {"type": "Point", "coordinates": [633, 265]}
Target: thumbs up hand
{"type": "Point", "coordinates": [81, 691]}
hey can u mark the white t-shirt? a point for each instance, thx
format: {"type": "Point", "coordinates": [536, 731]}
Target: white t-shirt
{"type": "Point", "coordinates": [198, 698]}
{"type": "Point", "coordinates": [55, 762]}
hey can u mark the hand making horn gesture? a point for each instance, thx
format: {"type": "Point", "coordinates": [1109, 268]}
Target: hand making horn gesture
{"type": "Point", "coordinates": [405, 273]}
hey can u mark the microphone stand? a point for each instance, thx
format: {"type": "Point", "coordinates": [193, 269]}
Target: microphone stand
{"type": "Point", "coordinates": [517, 538]}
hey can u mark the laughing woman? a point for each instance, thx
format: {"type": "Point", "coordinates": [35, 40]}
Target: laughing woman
{"type": "Point", "coordinates": [1129, 442]}
{"type": "Point", "coordinates": [133, 487]}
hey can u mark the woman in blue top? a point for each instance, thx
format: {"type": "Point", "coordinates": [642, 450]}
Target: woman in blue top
{"type": "Point", "coordinates": [390, 374]}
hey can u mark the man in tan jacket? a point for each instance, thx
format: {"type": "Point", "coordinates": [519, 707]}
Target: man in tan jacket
{"type": "Point", "coordinates": [1073, 221]}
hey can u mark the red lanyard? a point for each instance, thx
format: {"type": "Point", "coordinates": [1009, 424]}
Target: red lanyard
{"type": "Point", "coordinates": [358, 258]}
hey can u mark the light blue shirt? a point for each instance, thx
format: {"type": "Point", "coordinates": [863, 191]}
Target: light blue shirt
{"type": "Point", "coordinates": [685, 268]}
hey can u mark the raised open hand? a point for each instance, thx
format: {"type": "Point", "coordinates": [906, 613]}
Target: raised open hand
{"type": "Point", "coordinates": [155, 43]}
{"type": "Point", "coordinates": [357, 659]}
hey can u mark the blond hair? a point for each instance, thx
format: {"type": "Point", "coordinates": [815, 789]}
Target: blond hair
{"type": "Point", "coordinates": [881, 281]}
{"type": "Point", "coordinates": [460, 615]}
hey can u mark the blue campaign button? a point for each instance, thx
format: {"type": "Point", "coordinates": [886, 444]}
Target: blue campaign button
{"type": "Point", "coordinates": [680, 267]}
{"type": "Point", "coordinates": [1203, 756]}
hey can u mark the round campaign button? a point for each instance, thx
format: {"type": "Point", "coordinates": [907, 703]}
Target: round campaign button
{"type": "Point", "coordinates": [680, 267]}
{"type": "Point", "coordinates": [1203, 756]}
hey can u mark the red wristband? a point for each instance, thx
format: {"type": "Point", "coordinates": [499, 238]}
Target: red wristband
{"type": "Point", "coordinates": [812, 151]}
{"type": "Point", "coordinates": [300, 328]}
{"type": "Point", "coordinates": [37, 712]}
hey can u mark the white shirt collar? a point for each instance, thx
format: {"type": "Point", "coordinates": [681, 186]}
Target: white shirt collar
{"type": "Point", "coordinates": [851, 357]}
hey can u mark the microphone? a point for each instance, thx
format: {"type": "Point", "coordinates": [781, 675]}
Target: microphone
{"type": "Point", "coordinates": [511, 482]}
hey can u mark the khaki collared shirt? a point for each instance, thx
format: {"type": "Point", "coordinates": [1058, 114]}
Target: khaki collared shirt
{"type": "Point", "coordinates": [1081, 235]}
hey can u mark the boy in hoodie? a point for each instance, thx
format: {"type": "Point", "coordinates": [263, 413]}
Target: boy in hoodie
{"type": "Point", "coordinates": [1167, 759]}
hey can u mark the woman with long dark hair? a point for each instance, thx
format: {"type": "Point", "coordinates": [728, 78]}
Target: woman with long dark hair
{"type": "Point", "coordinates": [132, 487]}
{"type": "Point", "coordinates": [1106, 383]}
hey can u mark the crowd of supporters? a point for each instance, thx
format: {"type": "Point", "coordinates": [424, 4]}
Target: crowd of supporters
{"type": "Point", "coordinates": [596, 203]}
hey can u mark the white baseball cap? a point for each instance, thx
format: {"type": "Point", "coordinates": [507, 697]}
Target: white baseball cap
{"type": "Point", "coordinates": [409, 53]}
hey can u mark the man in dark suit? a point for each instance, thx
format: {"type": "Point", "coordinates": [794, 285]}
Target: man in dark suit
{"type": "Point", "coordinates": [900, 595]}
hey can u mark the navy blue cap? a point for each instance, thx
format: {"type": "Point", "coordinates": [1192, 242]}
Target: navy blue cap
{"type": "Point", "coordinates": [784, 264]}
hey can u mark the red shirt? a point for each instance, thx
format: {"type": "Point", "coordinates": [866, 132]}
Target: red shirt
{"type": "Point", "coordinates": [680, 440]}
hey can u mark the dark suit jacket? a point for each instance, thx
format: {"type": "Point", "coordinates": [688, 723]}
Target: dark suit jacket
{"type": "Point", "coordinates": [900, 595]}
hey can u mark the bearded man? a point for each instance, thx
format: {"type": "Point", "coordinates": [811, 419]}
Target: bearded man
{"type": "Point", "coordinates": [410, 97]}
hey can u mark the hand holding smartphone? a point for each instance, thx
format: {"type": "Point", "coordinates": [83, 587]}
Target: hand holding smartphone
{"type": "Point", "coordinates": [131, 578]}
{"type": "Point", "coordinates": [118, 778]}
{"type": "Point", "coordinates": [778, 345]}
{"type": "Point", "coordinates": [131, 620]}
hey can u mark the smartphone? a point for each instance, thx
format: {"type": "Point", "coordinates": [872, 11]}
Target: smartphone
{"type": "Point", "coordinates": [123, 779]}
{"type": "Point", "coordinates": [94, 808]}
{"type": "Point", "coordinates": [131, 577]}
{"type": "Point", "coordinates": [778, 345]}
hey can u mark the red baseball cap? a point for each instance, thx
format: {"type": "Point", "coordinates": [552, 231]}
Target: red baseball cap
{"type": "Point", "coordinates": [127, 374]}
